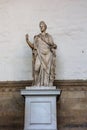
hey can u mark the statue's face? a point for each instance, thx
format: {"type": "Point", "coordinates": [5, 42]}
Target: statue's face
{"type": "Point", "coordinates": [42, 27]}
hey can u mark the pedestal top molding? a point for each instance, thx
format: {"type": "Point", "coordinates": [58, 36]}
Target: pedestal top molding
{"type": "Point", "coordinates": [34, 90]}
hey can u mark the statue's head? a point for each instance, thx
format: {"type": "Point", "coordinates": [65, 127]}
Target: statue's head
{"type": "Point", "coordinates": [42, 26]}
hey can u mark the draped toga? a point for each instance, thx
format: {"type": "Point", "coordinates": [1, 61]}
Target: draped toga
{"type": "Point", "coordinates": [43, 60]}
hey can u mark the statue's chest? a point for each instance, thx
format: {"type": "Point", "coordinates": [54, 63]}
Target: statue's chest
{"type": "Point", "coordinates": [45, 38]}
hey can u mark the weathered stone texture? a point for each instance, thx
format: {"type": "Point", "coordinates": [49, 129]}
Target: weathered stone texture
{"type": "Point", "coordinates": [71, 105]}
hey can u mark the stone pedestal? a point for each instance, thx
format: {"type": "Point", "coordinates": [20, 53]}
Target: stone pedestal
{"type": "Point", "coordinates": [40, 108]}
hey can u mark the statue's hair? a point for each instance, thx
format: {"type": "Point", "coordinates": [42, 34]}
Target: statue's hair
{"type": "Point", "coordinates": [42, 22]}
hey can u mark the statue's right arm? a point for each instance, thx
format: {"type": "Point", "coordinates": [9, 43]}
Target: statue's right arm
{"type": "Point", "coordinates": [29, 43]}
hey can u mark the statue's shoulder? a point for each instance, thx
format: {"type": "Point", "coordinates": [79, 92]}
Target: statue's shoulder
{"type": "Point", "coordinates": [36, 36]}
{"type": "Point", "coordinates": [40, 35]}
{"type": "Point", "coordinates": [48, 35]}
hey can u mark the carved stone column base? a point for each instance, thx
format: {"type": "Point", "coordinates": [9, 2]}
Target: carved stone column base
{"type": "Point", "coordinates": [40, 108]}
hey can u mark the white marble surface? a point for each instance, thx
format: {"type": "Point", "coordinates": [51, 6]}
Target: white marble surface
{"type": "Point", "coordinates": [40, 112]}
{"type": "Point", "coordinates": [40, 91]}
{"type": "Point", "coordinates": [41, 87]}
{"type": "Point", "coordinates": [40, 109]}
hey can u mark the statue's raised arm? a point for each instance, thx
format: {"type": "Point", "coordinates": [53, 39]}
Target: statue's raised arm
{"type": "Point", "coordinates": [28, 42]}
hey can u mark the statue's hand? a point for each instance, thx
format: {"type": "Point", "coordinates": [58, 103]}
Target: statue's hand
{"type": "Point", "coordinates": [27, 38]}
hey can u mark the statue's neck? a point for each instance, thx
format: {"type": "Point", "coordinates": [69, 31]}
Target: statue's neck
{"type": "Point", "coordinates": [43, 33]}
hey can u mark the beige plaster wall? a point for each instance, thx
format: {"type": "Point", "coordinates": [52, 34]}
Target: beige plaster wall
{"type": "Point", "coordinates": [67, 23]}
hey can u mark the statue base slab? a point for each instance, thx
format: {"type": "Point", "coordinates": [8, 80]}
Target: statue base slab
{"type": "Point", "coordinates": [40, 108]}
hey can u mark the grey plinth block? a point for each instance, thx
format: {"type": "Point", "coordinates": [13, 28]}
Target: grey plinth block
{"type": "Point", "coordinates": [40, 108]}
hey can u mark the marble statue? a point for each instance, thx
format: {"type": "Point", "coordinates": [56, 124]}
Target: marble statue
{"type": "Point", "coordinates": [43, 57]}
